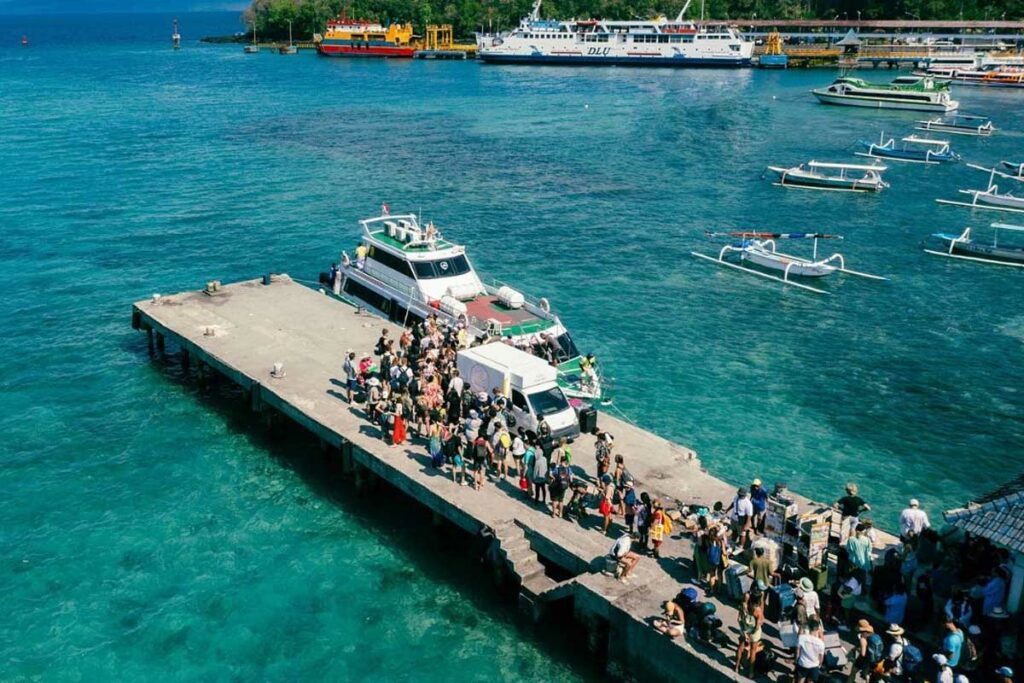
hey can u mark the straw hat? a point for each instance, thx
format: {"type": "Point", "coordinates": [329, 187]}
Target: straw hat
{"type": "Point", "coordinates": [894, 630]}
{"type": "Point", "coordinates": [806, 586]}
{"type": "Point", "coordinates": [863, 626]}
{"type": "Point", "coordinates": [756, 482]}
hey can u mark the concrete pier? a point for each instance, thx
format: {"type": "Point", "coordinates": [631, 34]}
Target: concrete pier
{"type": "Point", "coordinates": [240, 331]}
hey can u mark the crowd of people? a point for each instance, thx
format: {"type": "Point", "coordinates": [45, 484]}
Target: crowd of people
{"type": "Point", "coordinates": [946, 588]}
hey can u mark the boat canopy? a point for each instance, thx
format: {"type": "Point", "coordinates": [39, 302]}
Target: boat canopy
{"type": "Point", "coordinates": [926, 141]}
{"type": "Point", "coordinates": [849, 167]}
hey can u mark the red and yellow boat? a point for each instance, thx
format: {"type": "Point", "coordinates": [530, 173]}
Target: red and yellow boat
{"type": "Point", "coordinates": [361, 38]}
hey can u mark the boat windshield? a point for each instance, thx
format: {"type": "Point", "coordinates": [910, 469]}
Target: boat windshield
{"type": "Point", "coordinates": [566, 348]}
{"type": "Point", "coordinates": [548, 402]}
{"type": "Point", "coordinates": [447, 267]}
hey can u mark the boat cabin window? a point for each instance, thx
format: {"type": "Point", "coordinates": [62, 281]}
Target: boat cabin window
{"type": "Point", "coordinates": [449, 267]}
{"type": "Point", "coordinates": [519, 401]}
{"type": "Point", "coordinates": [364, 293]}
{"type": "Point", "coordinates": [567, 348]}
{"type": "Point", "coordinates": [391, 261]}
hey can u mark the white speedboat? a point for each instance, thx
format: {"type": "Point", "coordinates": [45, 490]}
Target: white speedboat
{"type": "Point", "coordinates": [406, 271]}
{"type": "Point", "coordinates": [920, 94]}
{"type": "Point", "coordinates": [653, 42]}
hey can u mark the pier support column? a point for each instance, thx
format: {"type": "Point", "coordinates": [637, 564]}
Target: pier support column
{"type": "Point", "coordinates": [161, 345]}
{"type": "Point", "coordinates": [186, 360]}
{"type": "Point", "coordinates": [347, 466]}
{"type": "Point", "coordinates": [149, 340]}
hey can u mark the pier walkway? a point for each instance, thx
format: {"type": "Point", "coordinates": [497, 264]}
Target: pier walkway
{"type": "Point", "coordinates": [240, 331]}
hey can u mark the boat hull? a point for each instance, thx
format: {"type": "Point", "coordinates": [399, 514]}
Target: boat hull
{"type": "Point", "coordinates": [1008, 254]}
{"type": "Point", "coordinates": [779, 263]}
{"type": "Point", "coordinates": [363, 50]}
{"type": "Point", "coordinates": [880, 103]}
{"type": "Point", "coordinates": [789, 178]}
{"type": "Point", "coordinates": [589, 60]}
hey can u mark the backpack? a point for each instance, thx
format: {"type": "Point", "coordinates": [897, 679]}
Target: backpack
{"type": "Point", "coordinates": [715, 555]}
{"type": "Point", "coordinates": [875, 648]}
{"type": "Point", "coordinates": [564, 476]}
{"type": "Point", "coordinates": [630, 498]}
{"type": "Point", "coordinates": [911, 657]}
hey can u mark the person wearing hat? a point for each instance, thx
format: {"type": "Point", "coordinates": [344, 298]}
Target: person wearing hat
{"type": "Point", "coordinates": [913, 520]}
{"type": "Point", "coordinates": [863, 661]}
{"type": "Point", "coordinates": [894, 656]}
{"type": "Point", "coordinates": [945, 671]}
{"type": "Point", "coordinates": [742, 512]}
{"type": "Point", "coordinates": [1005, 674]}
{"type": "Point", "coordinates": [808, 604]}
{"type": "Point", "coordinates": [759, 502]}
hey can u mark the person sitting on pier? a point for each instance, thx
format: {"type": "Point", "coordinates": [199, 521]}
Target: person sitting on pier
{"type": "Point", "coordinates": [673, 621]}
{"type": "Point", "coordinates": [626, 559]}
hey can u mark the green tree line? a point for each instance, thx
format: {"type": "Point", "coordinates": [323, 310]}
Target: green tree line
{"type": "Point", "coordinates": [468, 16]}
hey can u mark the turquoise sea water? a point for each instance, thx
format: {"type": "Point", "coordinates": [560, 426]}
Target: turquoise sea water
{"type": "Point", "coordinates": [149, 530]}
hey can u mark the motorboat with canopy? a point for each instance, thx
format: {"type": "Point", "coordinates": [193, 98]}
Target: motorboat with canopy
{"type": "Point", "coordinates": [959, 124]}
{"type": "Point", "coordinates": [911, 149]}
{"type": "Point", "coordinates": [818, 175]}
{"type": "Point", "coordinates": [759, 249]}
{"type": "Point", "coordinates": [964, 246]}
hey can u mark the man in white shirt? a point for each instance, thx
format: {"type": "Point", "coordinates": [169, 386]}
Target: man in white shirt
{"type": "Point", "coordinates": [810, 653]}
{"type": "Point", "coordinates": [913, 521]}
{"type": "Point", "coordinates": [624, 555]}
{"type": "Point", "coordinates": [742, 514]}
{"type": "Point", "coordinates": [809, 605]}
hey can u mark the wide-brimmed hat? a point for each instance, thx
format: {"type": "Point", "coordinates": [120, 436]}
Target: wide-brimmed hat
{"type": "Point", "coordinates": [940, 659]}
{"type": "Point", "coordinates": [894, 630]}
{"type": "Point", "coordinates": [373, 382]}
{"type": "Point", "coordinates": [806, 585]}
{"type": "Point", "coordinates": [864, 626]}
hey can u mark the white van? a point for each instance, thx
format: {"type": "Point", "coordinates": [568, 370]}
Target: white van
{"type": "Point", "coordinates": [527, 381]}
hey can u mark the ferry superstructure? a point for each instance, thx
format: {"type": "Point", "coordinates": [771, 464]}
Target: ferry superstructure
{"type": "Point", "coordinates": [656, 42]}
{"type": "Point", "coordinates": [360, 38]}
{"type": "Point", "coordinates": [405, 271]}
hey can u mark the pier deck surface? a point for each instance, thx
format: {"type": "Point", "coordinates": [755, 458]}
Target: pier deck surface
{"type": "Point", "coordinates": [247, 327]}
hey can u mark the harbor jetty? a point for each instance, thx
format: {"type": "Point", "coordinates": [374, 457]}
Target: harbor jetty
{"type": "Point", "coordinates": [281, 343]}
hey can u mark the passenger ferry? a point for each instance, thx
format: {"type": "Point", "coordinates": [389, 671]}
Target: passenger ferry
{"type": "Point", "coordinates": [656, 42]}
{"type": "Point", "coordinates": [991, 76]}
{"type": "Point", "coordinates": [360, 38]}
{"type": "Point", "coordinates": [406, 271]}
{"type": "Point", "coordinates": [907, 92]}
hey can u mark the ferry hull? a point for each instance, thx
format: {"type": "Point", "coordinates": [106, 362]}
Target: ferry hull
{"type": "Point", "coordinates": [328, 50]}
{"type": "Point", "coordinates": [876, 103]}
{"type": "Point", "coordinates": [586, 60]}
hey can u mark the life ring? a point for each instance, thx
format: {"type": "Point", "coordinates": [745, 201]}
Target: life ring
{"type": "Point", "coordinates": [545, 305]}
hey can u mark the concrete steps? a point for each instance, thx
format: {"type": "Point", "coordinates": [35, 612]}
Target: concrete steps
{"type": "Point", "coordinates": [535, 586]}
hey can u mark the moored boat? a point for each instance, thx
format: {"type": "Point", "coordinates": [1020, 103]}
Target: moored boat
{"type": "Point", "coordinates": [817, 175]}
{"type": "Point", "coordinates": [911, 149]}
{"type": "Point", "coordinates": [1016, 167]}
{"type": "Point", "coordinates": [992, 76]}
{"type": "Point", "coordinates": [360, 38]}
{"type": "Point", "coordinates": [759, 248]}
{"type": "Point", "coordinates": [990, 198]}
{"type": "Point", "coordinates": [922, 94]}
{"type": "Point", "coordinates": [406, 271]}
{"type": "Point", "coordinates": [959, 124]}
{"type": "Point", "coordinates": [965, 246]}
{"type": "Point", "coordinates": [654, 42]}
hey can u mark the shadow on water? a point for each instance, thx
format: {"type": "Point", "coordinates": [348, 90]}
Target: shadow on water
{"type": "Point", "coordinates": [440, 553]}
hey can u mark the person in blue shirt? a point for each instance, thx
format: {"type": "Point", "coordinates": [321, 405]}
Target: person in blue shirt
{"type": "Point", "coordinates": [896, 604]}
{"type": "Point", "coordinates": [759, 500]}
{"type": "Point", "coordinates": [953, 642]}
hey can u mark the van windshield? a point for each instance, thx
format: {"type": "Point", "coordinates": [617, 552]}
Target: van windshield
{"type": "Point", "coordinates": [548, 402]}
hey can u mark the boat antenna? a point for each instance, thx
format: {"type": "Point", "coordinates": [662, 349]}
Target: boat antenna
{"type": "Point", "coordinates": [702, 10]}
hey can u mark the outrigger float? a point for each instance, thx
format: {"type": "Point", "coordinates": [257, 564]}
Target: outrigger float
{"type": "Point", "coordinates": [815, 175]}
{"type": "Point", "coordinates": [911, 150]}
{"type": "Point", "coordinates": [759, 248]}
{"type": "Point", "coordinates": [990, 198]}
{"type": "Point", "coordinates": [965, 247]}
{"type": "Point", "coordinates": [959, 124]}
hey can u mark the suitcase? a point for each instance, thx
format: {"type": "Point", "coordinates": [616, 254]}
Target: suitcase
{"type": "Point", "coordinates": [781, 600]}
{"type": "Point", "coordinates": [733, 582]}
{"type": "Point", "coordinates": [588, 419]}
